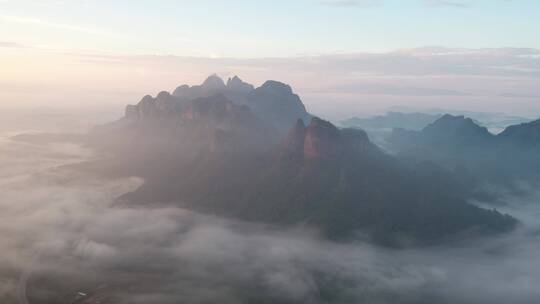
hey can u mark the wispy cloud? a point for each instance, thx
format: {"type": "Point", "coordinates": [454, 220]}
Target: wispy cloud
{"type": "Point", "coordinates": [448, 3]}
{"type": "Point", "coordinates": [9, 44]}
{"type": "Point", "coordinates": [451, 3]}
{"type": "Point", "coordinates": [374, 88]}
{"type": "Point", "coordinates": [470, 79]}
{"type": "Point", "coordinates": [54, 25]}
{"type": "Point", "coordinates": [351, 2]}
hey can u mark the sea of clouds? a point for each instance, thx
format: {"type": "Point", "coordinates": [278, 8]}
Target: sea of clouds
{"type": "Point", "coordinates": [61, 234]}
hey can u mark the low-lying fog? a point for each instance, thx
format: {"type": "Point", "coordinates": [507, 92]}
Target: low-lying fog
{"type": "Point", "coordinates": [60, 234]}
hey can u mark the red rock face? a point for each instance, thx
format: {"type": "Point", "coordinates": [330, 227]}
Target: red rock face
{"type": "Point", "coordinates": [294, 142]}
{"type": "Point", "coordinates": [322, 140]}
{"type": "Point", "coordinates": [292, 148]}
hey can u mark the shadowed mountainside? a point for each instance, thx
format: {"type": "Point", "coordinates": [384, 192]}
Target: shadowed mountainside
{"type": "Point", "coordinates": [458, 142]}
{"type": "Point", "coordinates": [224, 149]}
{"type": "Point", "coordinates": [203, 150]}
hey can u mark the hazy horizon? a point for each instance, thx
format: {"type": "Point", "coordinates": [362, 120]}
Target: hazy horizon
{"type": "Point", "coordinates": [367, 56]}
{"type": "Point", "coordinates": [337, 86]}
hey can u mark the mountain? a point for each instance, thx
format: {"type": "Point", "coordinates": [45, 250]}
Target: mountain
{"type": "Point", "coordinates": [277, 102]}
{"type": "Point", "coordinates": [504, 159]}
{"type": "Point", "coordinates": [213, 155]}
{"type": "Point", "coordinates": [391, 120]}
{"type": "Point", "coordinates": [273, 101]}
{"type": "Point", "coordinates": [340, 181]}
{"type": "Point", "coordinates": [448, 131]}
{"type": "Point", "coordinates": [494, 121]}
{"type": "Point", "coordinates": [524, 135]}
{"type": "Point", "coordinates": [155, 138]}
{"type": "Point", "coordinates": [380, 126]}
{"type": "Point", "coordinates": [457, 129]}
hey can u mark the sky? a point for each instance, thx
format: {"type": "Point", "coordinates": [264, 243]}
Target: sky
{"type": "Point", "coordinates": [110, 52]}
{"type": "Point", "coordinates": [244, 28]}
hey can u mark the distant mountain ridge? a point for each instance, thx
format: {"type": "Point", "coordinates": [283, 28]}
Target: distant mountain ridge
{"type": "Point", "coordinates": [510, 156]}
{"type": "Point", "coordinates": [462, 132]}
{"type": "Point", "coordinates": [379, 127]}
{"type": "Point", "coordinates": [456, 130]}
{"type": "Point", "coordinates": [525, 134]}
{"type": "Point", "coordinates": [390, 120]}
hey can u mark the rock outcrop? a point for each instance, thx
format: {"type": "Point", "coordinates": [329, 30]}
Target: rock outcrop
{"type": "Point", "coordinates": [164, 104]}
{"type": "Point", "coordinates": [273, 102]}
{"type": "Point", "coordinates": [292, 148]}
{"type": "Point", "coordinates": [323, 140]}
{"type": "Point", "coordinates": [214, 82]}
{"type": "Point", "coordinates": [236, 84]}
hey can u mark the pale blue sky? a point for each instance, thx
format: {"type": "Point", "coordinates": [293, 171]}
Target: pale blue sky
{"type": "Point", "coordinates": [245, 28]}
{"type": "Point", "coordinates": [344, 57]}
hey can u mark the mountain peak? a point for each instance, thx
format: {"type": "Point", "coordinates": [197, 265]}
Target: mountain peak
{"type": "Point", "coordinates": [147, 107]}
{"type": "Point", "coordinates": [213, 82]}
{"type": "Point", "coordinates": [454, 119]}
{"type": "Point", "coordinates": [277, 87]}
{"type": "Point", "coordinates": [322, 139]}
{"type": "Point", "coordinates": [457, 127]}
{"type": "Point", "coordinates": [452, 122]}
{"type": "Point", "coordinates": [163, 95]}
{"type": "Point", "coordinates": [237, 84]}
{"type": "Point", "coordinates": [274, 102]}
{"type": "Point", "coordinates": [146, 99]}
{"type": "Point", "coordinates": [527, 134]}
{"type": "Point", "coordinates": [181, 90]}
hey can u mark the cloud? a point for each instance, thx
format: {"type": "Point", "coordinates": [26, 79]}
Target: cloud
{"type": "Point", "coordinates": [448, 3]}
{"type": "Point", "coordinates": [416, 61]}
{"type": "Point", "coordinates": [351, 2]}
{"type": "Point", "coordinates": [61, 235]}
{"type": "Point", "coordinates": [54, 25]}
{"type": "Point", "coordinates": [7, 44]}
{"type": "Point", "coordinates": [434, 3]}
{"type": "Point", "coordinates": [374, 88]}
{"type": "Point", "coordinates": [519, 95]}
{"type": "Point", "coordinates": [465, 79]}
